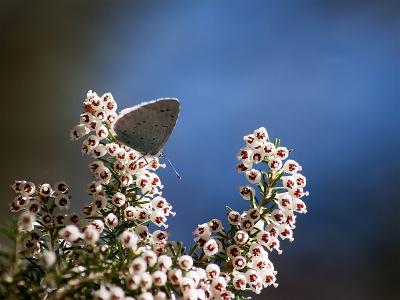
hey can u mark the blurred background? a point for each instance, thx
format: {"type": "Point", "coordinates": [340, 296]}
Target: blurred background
{"type": "Point", "coordinates": [322, 76]}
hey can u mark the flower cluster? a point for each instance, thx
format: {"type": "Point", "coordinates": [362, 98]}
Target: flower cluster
{"type": "Point", "coordinates": [110, 251]}
{"type": "Point", "coordinates": [241, 251]}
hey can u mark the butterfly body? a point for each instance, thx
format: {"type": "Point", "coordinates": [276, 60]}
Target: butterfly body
{"type": "Point", "coordinates": [146, 127]}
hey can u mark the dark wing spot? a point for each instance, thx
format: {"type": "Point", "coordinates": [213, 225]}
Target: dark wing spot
{"type": "Point", "coordinates": [155, 125]}
{"type": "Point", "coordinates": [167, 109]}
{"type": "Point", "coordinates": [161, 110]}
{"type": "Point", "coordinates": [154, 139]}
{"type": "Point", "coordinates": [124, 132]}
{"type": "Point", "coordinates": [172, 116]}
{"type": "Point", "coordinates": [141, 138]}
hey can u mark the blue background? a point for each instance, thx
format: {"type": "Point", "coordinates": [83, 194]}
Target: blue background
{"type": "Point", "coordinates": [323, 76]}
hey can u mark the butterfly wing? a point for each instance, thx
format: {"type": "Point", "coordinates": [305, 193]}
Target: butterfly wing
{"type": "Point", "coordinates": [146, 127]}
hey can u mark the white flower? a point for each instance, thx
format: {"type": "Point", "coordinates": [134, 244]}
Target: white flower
{"type": "Point", "coordinates": [219, 285]}
{"type": "Point", "coordinates": [28, 188]}
{"type": "Point", "coordinates": [94, 187]}
{"type": "Point", "coordinates": [250, 141]}
{"type": "Point", "coordinates": [126, 179]}
{"type": "Point", "coordinates": [239, 282]}
{"type": "Point", "coordinates": [278, 216]}
{"type": "Point", "coordinates": [241, 237]}
{"type": "Point", "coordinates": [159, 278]}
{"type": "Point", "coordinates": [300, 180]}
{"type": "Point", "coordinates": [186, 284]}
{"type": "Point", "coordinates": [35, 235]}
{"type": "Point", "coordinates": [142, 232]}
{"type": "Point", "coordinates": [98, 225]}
{"type": "Point", "coordinates": [99, 151]}
{"type": "Point", "coordinates": [210, 247]}
{"type": "Point", "coordinates": [291, 167]}
{"type": "Point", "coordinates": [112, 149]}
{"type": "Point", "coordinates": [130, 213]}
{"type": "Point", "coordinates": [89, 210]}
{"type": "Point", "coordinates": [263, 237]}
{"type": "Point", "coordinates": [160, 236]}
{"type": "Point", "coordinates": [104, 175]}
{"type": "Point", "coordinates": [86, 118]}
{"type": "Point", "coordinates": [275, 164]}
{"type": "Point", "coordinates": [62, 201]}
{"type": "Point", "coordinates": [118, 199]}
{"type": "Point", "coordinates": [146, 296]}
{"type": "Point", "coordinates": [233, 251]}
{"type": "Point", "coordinates": [284, 201]}
{"type": "Point", "coordinates": [195, 276]}
{"type": "Point", "coordinates": [281, 152]}
{"type": "Point", "coordinates": [73, 218]}
{"type": "Point", "coordinates": [17, 185]}
{"type": "Point", "coordinates": [146, 281]}
{"type": "Point", "coordinates": [117, 293]}
{"type": "Point", "coordinates": [164, 262]}
{"type": "Point", "coordinates": [100, 202]}
{"type": "Point", "coordinates": [61, 187]}
{"type": "Point", "coordinates": [253, 176]}
{"type": "Point", "coordinates": [46, 219]}
{"type": "Point", "coordinates": [247, 224]}
{"type": "Point", "coordinates": [246, 192]}
{"type": "Point", "coordinates": [109, 104]}
{"type": "Point", "coordinates": [244, 154]}
{"type": "Point", "coordinates": [273, 230]}
{"type": "Point", "coordinates": [22, 200]}
{"type": "Point", "coordinates": [111, 220]}
{"type": "Point", "coordinates": [119, 166]}
{"type": "Point", "coordinates": [175, 275]}
{"type": "Point", "coordinates": [159, 296]}
{"type": "Point", "coordinates": [215, 225]}
{"type": "Point", "coordinates": [158, 202]}
{"type": "Point", "coordinates": [256, 250]}
{"type": "Point", "coordinates": [48, 259]}
{"type": "Point", "coordinates": [59, 219]}
{"type": "Point", "coordinates": [239, 262]}
{"type": "Point", "coordinates": [268, 277]}
{"type": "Point", "coordinates": [101, 115]}
{"type": "Point", "coordinates": [268, 149]}
{"type": "Point", "coordinates": [70, 233]}
{"type": "Point", "coordinates": [128, 239]}
{"type": "Point", "coordinates": [299, 206]}
{"type": "Point", "coordinates": [234, 218]}
{"type": "Point", "coordinates": [45, 190]}
{"type": "Point", "coordinates": [257, 156]}
{"type": "Point", "coordinates": [26, 220]}
{"type": "Point", "coordinates": [261, 134]}
{"type": "Point", "coordinates": [101, 294]}
{"type": "Point", "coordinates": [285, 232]}
{"type": "Point", "coordinates": [243, 166]}
{"type": "Point", "coordinates": [91, 235]}
{"type": "Point", "coordinates": [33, 207]}
{"type": "Point", "coordinates": [158, 218]}
{"type": "Point", "coordinates": [185, 262]}
{"type": "Point", "coordinates": [120, 154]}
{"type": "Point", "coordinates": [150, 257]}
{"type": "Point", "coordinates": [79, 131]}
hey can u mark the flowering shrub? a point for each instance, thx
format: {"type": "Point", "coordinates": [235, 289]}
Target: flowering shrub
{"type": "Point", "coordinates": [112, 251]}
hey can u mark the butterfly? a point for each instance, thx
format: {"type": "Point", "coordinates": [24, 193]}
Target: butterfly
{"type": "Point", "coordinates": [146, 127]}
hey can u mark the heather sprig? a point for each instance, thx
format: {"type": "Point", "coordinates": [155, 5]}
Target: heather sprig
{"type": "Point", "coordinates": [117, 247]}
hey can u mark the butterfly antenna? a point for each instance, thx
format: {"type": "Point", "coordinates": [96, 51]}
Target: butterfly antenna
{"type": "Point", "coordinates": [162, 155]}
